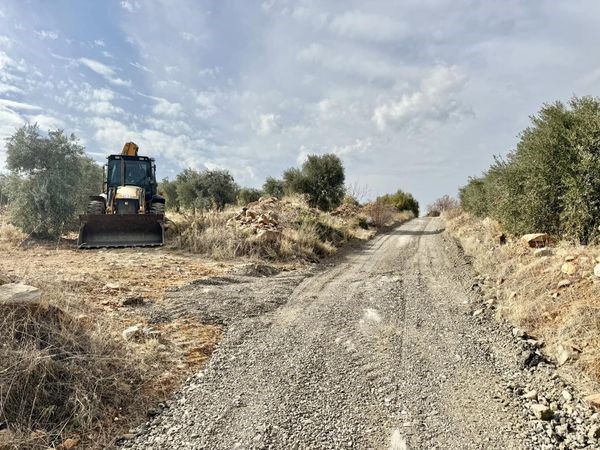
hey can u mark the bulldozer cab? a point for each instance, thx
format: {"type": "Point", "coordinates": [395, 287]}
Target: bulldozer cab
{"type": "Point", "coordinates": [131, 171]}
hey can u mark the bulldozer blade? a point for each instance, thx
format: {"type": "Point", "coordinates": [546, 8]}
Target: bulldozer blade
{"type": "Point", "coordinates": [121, 230]}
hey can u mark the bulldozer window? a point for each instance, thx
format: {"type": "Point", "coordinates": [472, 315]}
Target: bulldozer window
{"type": "Point", "coordinates": [137, 173]}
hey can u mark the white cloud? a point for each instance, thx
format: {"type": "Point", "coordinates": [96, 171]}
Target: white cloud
{"type": "Point", "coordinates": [433, 101]}
{"type": "Point", "coordinates": [267, 124]}
{"type": "Point", "coordinates": [105, 71]}
{"type": "Point", "coordinates": [6, 42]}
{"type": "Point", "coordinates": [164, 107]}
{"type": "Point", "coordinates": [46, 122]}
{"type": "Point", "coordinates": [18, 105]}
{"type": "Point", "coordinates": [98, 101]}
{"type": "Point", "coordinates": [99, 43]}
{"type": "Point", "coordinates": [130, 5]}
{"type": "Point", "coordinates": [7, 89]}
{"type": "Point", "coordinates": [137, 65]}
{"type": "Point", "coordinates": [369, 27]}
{"type": "Point", "coordinates": [191, 37]}
{"type": "Point", "coordinates": [47, 35]}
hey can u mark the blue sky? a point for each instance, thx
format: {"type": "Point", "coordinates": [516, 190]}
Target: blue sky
{"type": "Point", "coordinates": [411, 94]}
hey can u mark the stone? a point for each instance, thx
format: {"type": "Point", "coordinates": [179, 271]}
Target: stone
{"type": "Point", "coordinates": [544, 251]}
{"type": "Point", "coordinates": [565, 353]}
{"type": "Point", "coordinates": [563, 284]}
{"type": "Point", "coordinates": [268, 235]}
{"type": "Point", "coordinates": [568, 268]}
{"type": "Point", "coordinates": [518, 333]}
{"type": "Point", "coordinates": [542, 412]}
{"type": "Point", "coordinates": [19, 294]}
{"type": "Point", "coordinates": [593, 400]}
{"type": "Point", "coordinates": [68, 444]}
{"type": "Point", "coordinates": [536, 240]}
{"type": "Point", "coordinates": [531, 395]}
{"type": "Point", "coordinates": [111, 286]}
{"type": "Point", "coordinates": [570, 258]}
{"type": "Point", "coordinates": [567, 395]}
{"type": "Point", "coordinates": [477, 312]}
{"type": "Point", "coordinates": [132, 333]}
{"type": "Point", "coordinates": [597, 270]}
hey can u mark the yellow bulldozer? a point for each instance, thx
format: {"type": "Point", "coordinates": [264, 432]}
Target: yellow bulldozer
{"type": "Point", "coordinates": [129, 212]}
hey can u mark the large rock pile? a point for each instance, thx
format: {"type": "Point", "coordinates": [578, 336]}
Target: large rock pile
{"type": "Point", "coordinates": [258, 218]}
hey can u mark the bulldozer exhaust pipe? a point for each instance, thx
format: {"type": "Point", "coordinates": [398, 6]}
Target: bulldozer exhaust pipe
{"type": "Point", "coordinates": [121, 230]}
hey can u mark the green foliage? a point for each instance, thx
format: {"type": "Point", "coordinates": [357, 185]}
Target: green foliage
{"type": "Point", "coordinates": [169, 190]}
{"type": "Point", "coordinates": [248, 195]}
{"type": "Point", "coordinates": [403, 201]}
{"type": "Point", "coordinates": [50, 180]}
{"type": "Point", "coordinates": [274, 187]}
{"type": "Point", "coordinates": [550, 182]}
{"type": "Point", "coordinates": [205, 190]}
{"type": "Point", "coordinates": [321, 178]}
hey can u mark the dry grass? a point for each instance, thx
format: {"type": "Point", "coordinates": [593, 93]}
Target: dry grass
{"type": "Point", "coordinates": [303, 233]}
{"type": "Point", "coordinates": [526, 287]}
{"type": "Point", "coordinates": [62, 377]}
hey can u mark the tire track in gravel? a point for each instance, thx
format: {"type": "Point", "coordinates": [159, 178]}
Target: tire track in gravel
{"type": "Point", "coordinates": [376, 351]}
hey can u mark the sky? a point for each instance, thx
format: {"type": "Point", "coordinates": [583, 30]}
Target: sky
{"type": "Point", "coordinates": [415, 95]}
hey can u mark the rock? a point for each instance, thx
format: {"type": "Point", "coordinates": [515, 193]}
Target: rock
{"type": "Point", "coordinates": [597, 270]}
{"type": "Point", "coordinates": [132, 333]}
{"type": "Point", "coordinates": [518, 333]}
{"type": "Point", "coordinates": [133, 300]}
{"type": "Point", "coordinates": [565, 353]}
{"type": "Point", "coordinates": [111, 286]}
{"type": "Point", "coordinates": [531, 395]}
{"type": "Point", "coordinates": [544, 251]}
{"type": "Point", "coordinates": [536, 240]}
{"type": "Point", "coordinates": [477, 312]}
{"type": "Point", "coordinates": [564, 284]}
{"type": "Point", "coordinates": [68, 444]}
{"type": "Point", "coordinates": [268, 235]}
{"type": "Point", "coordinates": [570, 258]}
{"type": "Point", "coordinates": [569, 268]}
{"type": "Point", "coordinates": [542, 412]}
{"type": "Point", "coordinates": [594, 432]}
{"type": "Point", "coordinates": [18, 294]}
{"type": "Point", "coordinates": [593, 400]}
{"type": "Point", "coordinates": [567, 395]}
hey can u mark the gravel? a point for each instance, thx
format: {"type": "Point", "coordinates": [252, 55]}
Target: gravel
{"type": "Point", "coordinates": [378, 349]}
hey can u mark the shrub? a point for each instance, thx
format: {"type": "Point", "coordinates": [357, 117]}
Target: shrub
{"type": "Point", "coordinates": [50, 180]}
{"type": "Point", "coordinates": [442, 204]}
{"type": "Point", "coordinates": [402, 201]}
{"type": "Point", "coordinates": [169, 190]}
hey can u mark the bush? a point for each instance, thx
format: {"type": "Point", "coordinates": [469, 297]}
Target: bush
{"type": "Point", "coordinates": [169, 190]}
{"type": "Point", "coordinates": [441, 205]}
{"type": "Point", "coordinates": [205, 190]}
{"type": "Point", "coordinates": [402, 201]}
{"type": "Point", "coordinates": [50, 181]}
{"type": "Point", "coordinates": [550, 182]}
{"type": "Point", "coordinates": [248, 195]}
{"type": "Point", "coordinates": [321, 178]}
{"type": "Point", "coordinates": [274, 187]}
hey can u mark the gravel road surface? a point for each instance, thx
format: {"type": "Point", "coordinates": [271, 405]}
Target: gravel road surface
{"type": "Point", "coordinates": [379, 349]}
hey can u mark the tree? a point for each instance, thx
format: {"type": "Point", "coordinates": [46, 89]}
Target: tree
{"type": "Point", "coordinates": [169, 191]}
{"type": "Point", "coordinates": [248, 195]}
{"type": "Point", "coordinates": [50, 180]}
{"type": "Point", "coordinates": [205, 190]}
{"type": "Point", "coordinates": [549, 183]}
{"type": "Point", "coordinates": [321, 178]}
{"type": "Point", "coordinates": [274, 187]}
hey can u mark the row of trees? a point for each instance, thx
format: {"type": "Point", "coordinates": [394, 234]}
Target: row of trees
{"type": "Point", "coordinates": [551, 181]}
{"type": "Point", "coordinates": [50, 180]}
{"type": "Point", "coordinates": [320, 178]}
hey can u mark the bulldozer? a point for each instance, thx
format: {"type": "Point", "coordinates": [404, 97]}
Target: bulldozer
{"type": "Point", "coordinates": [129, 212]}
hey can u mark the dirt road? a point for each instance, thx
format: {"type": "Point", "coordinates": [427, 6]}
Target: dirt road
{"type": "Point", "coordinates": [379, 350]}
